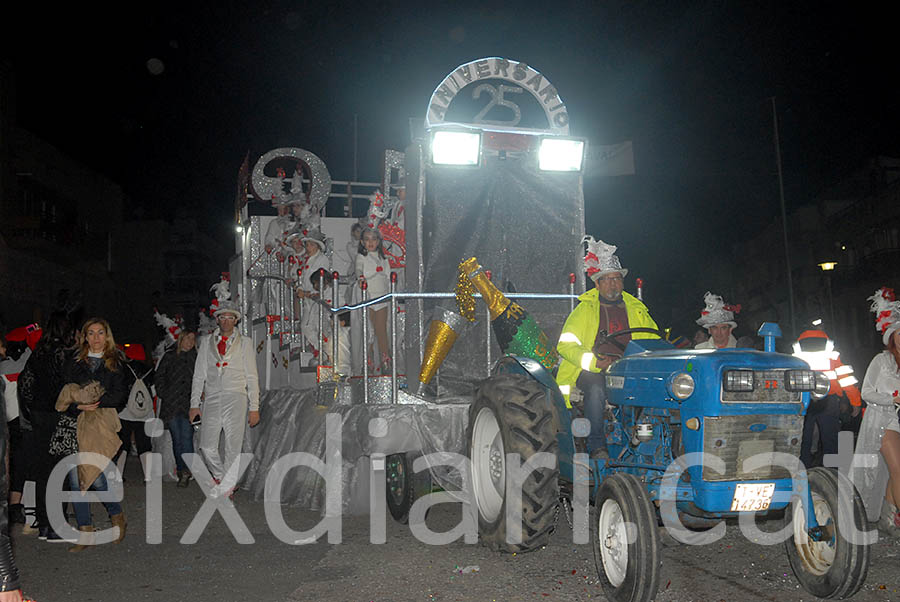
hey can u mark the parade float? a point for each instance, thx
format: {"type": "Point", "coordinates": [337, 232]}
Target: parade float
{"type": "Point", "coordinates": [493, 174]}
{"type": "Point", "coordinates": [488, 251]}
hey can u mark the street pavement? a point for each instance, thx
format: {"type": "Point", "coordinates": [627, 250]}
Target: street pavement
{"type": "Point", "coordinates": [217, 568]}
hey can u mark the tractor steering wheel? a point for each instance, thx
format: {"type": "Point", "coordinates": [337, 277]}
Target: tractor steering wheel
{"type": "Point", "coordinates": [605, 337]}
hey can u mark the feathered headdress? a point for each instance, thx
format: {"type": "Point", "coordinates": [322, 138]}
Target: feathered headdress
{"type": "Point", "coordinates": [887, 312]}
{"type": "Point", "coordinates": [205, 324]}
{"type": "Point", "coordinates": [600, 259]}
{"type": "Point", "coordinates": [378, 208]}
{"type": "Point", "coordinates": [173, 330]}
{"type": "Point", "coordinates": [223, 302]}
{"type": "Point", "coordinates": [717, 312]}
{"type": "Point", "coordinates": [172, 327]}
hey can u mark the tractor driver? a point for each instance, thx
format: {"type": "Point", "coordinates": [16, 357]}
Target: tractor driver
{"type": "Point", "coordinates": [584, 355]}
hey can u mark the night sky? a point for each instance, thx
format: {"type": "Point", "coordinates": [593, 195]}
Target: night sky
{"type": "Point", "coordinates": [689, 82]}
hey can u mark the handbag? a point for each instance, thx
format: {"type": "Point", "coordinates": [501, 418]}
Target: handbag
{"type": "Point", "coordinates": [64, 441]}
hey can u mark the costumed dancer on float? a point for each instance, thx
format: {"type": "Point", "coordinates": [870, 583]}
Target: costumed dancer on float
{"type": "Point", "coordinates": [314, 260]}
{"type": "Point", "coordinates": [606, 307]}
{"type": "Point", "coordinates": [323, 284]}
{"type": "Point", "coordinates": [718, 319]}
{"type": "Point", "coordinates": [879, 431]}
{"type": "Point", "coordinates": [275, 242]}
{"type": "Point", "coordinates": [225, 377]}
{"type": "Point", "coordinates": [373, 267]}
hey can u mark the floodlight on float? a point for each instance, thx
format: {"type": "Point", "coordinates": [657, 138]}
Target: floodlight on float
{"type": "Point", "coordinates": [561, 154]}
{"type": "Point", "coordinates": [455, 147]}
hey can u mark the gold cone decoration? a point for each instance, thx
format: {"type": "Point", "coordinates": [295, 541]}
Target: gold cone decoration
{"type": "Point", "coordinates": [443, 331]}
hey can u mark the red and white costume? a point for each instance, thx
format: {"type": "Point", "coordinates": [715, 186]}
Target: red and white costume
{"type": "Point", "coordinates": [225, 371]}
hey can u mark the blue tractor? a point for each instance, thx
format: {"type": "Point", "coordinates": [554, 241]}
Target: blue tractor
{"type": "Point", "coordinates": [665, 405]}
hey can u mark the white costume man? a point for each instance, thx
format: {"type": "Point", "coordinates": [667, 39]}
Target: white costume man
{"type": "Point", "coordinates": [718, 319]}
{"type": "Point", "coordinates": [225, 373]}
{"type": "Point", "coordinates": [276, 253]}
{"type": "Point", "coordinates": [278, 229]}
{"type": "Point", "coordinates": [315, 260]}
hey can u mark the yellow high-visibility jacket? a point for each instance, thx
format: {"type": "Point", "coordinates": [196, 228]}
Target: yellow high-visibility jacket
{"type": "Point", "coordinates": [580, 330]}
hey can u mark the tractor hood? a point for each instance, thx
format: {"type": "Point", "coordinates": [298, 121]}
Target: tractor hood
{"type": "Point", "coordinates": [644, 376]}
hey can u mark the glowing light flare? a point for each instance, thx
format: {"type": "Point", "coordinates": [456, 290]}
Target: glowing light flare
{"type": "Point", "coordinates": [455, 148]}
{"type": "Point", "coordinates": [561, 154]}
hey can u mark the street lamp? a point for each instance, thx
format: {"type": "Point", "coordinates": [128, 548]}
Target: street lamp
{"type": "Point", "coordinates": [828, 268]}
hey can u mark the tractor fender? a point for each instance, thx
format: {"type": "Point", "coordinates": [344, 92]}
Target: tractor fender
{"type": "Point", "coordinates": [525, 366]}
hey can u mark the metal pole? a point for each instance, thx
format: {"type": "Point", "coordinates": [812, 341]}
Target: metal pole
{"type": "Point", "coordinates": [787, 254]}
{"type": "Point", "coordinates": [321, 309]}
{"type": "Point", "coordinates": [282, 286]}
{"type": "Point", "coordinates": [393, 338]}
{"type": "Point", "coordinates": [487, 335]}
{"type": "Point", "coordinates": [303, 341]}
{"type": "Point", "coordinates": [268, 287]}
{"type": "Point", "coordinates": [335, 322]}
{"type": "Point", "coordinates": [365, 340]}
{"type": "Point", "coordinates": [830, 303]}
{"type": "Point", "coordinates": [293, 312]}
{"type": "Point", "coordinates": [572, 292]}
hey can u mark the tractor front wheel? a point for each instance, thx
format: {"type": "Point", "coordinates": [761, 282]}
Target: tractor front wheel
{"type": "Point", "coordinates": [625, 540]}
{"type": "Point", "coordinates": [829, 566]}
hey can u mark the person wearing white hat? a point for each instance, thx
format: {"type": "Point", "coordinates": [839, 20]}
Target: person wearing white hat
{"type": "Point", "coordinates": [879, 431]}
{"type": "Point", "coordinates": [373, 267]}
{"type": "Point", "coordinates": [278, 229]}
{"type": "Point", "coordinates": [584, 359]}
{"type": "Point", "coordinates": [225, 375]}
{"type": "Point", "coordinates": [718, 319]}
{"type": "Point", "coordinates": [277, 251]}
{"type": "Point", "coordinates": [312, 262]}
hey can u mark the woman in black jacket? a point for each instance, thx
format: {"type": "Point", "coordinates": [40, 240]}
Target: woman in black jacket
{"type": "Point", "coordinates": [97, 360]}
{"type": "Point", "coordinates": [173, 384]}
{"type": "Point", "coordinates": [39, 385]}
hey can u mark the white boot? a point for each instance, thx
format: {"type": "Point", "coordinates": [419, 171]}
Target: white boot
{"type": "Point", "coordinates": [147, 465]}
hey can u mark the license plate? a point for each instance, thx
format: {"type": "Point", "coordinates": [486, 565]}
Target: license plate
{"type": "Point", "coordinates": [752, 497]}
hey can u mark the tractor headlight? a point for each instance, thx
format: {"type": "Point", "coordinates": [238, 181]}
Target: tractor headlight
{"type": "Point", "coordinates": [823, 385]}
{"type": "Point", "coordinates": [801, 380]}
{"type": "Point", "coordinates": [738, 381]}
{"type": "Point", "coordinates": [681, 386]}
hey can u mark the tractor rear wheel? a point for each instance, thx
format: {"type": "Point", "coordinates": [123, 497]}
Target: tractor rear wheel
{"type": "Point", "coordinates": [513, 414]}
